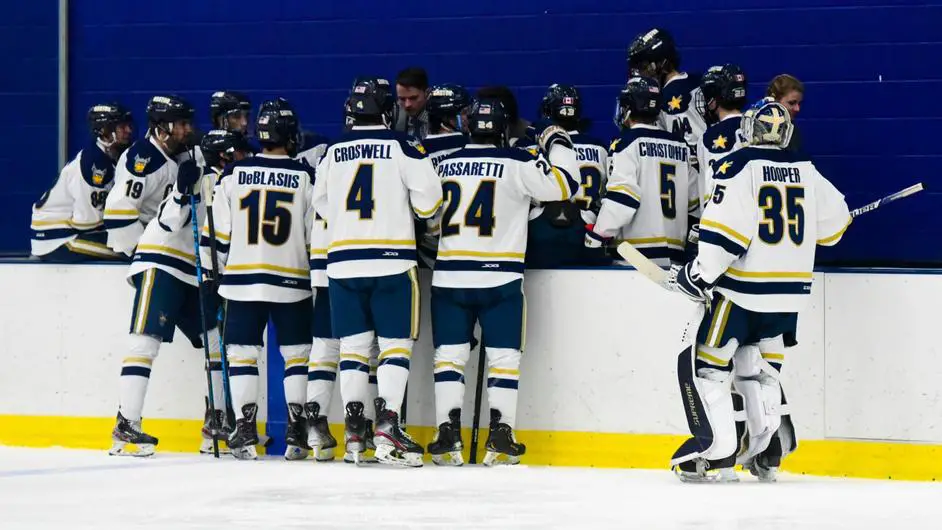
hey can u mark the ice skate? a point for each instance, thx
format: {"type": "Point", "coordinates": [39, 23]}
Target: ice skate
{"type": "Point", "coordinates": [760, 468]}
{"type": "Point", "coordinates": [243, 439]}
{"type": "Point", "coordinates": [502, 447]}
{"type": "Point", "coordinates": [296, 435]}
{"type": "Point", "coordinates": [393, 445]}
{"type": "Point", "coordinates": [446, 447]}
{"type": "Point", "coordinates": [128, 433]}
{"type": "Point", "coordinates": [319, 439]}
{"type": "Point", "coordinates": [214, 425]}
{"type": "Point", "coordinates": [699, 471]}
{"type": "Point", "coordinates": [355, 431]}
{"type": "Point", "coordinates": [368, 456]}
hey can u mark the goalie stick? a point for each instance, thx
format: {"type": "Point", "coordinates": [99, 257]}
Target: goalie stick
{"type": "Point", "coordinates": [912, 190]}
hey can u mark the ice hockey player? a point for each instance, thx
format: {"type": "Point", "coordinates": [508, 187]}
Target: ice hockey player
{"type": "Point", "coordinates": [650, 186]}
{"type": "Point", "coordinates": [447, 106]}
{"type": "Point", "coordinates": [67, 219]}
{"type": "Point", "coordinates": [228, 111]}
{"type": "Point", "coordinates": [769, 209]}
{"type": "Point", "coordinates": [167, 297]}
{"type": "Point", "coordinates": [724, 96]}
{"type": "Point", "coordinates": [557, 228]}
{"type": "Point", "coordinates": [370, 182]}
{"type": "Point", "coordinates": [263, 215]}
{"type": "Point", "coordinates": [146, 172]}
{"type": "Point", "coordinates": [479, 272]}
{"type": "Point", "coordinates": [654, 54]}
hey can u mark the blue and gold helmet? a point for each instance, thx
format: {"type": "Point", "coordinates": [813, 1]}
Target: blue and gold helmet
{"type": "Point", "coordinates": [767, 123]}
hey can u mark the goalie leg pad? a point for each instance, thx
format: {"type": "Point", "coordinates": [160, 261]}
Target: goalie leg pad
{"type": "Point", "coordinates": [757, 379]}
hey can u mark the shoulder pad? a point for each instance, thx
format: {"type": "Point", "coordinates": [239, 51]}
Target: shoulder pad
{"type": "Point", "coordinates": [143, 158]}
{"type": "Point", "coordinates": [97, 168]}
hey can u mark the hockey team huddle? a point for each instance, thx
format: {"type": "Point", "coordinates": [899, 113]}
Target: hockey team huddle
{"type": "Point", "coordinates": [323, 239]}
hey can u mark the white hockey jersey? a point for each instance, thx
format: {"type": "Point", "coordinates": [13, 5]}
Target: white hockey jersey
{"type": "Point", "coordinates": [438, 146]}
{"type": "Point", "coordinates": [719, 140]}
{"type": "Point", "coordinates": [368, 185]}
{"type": "Point", "coordinates": [312, 151]}
{"type": "Point", "coordinates": [592, 157]}
{"type": "Point", "coordinates": [167, 243]}
{"type": "Point", "coordinates": [488, 191]}
{"type": "Point", "coordinates": [758, 235]}
{"type": "Point", "coordinates": [76, 201]}
{"type": "Point", "coordinates": [144, 177]}
{"type": "Point", "coordinates": [262, 211]}
{"type": "Point", "coordinates": [650, 192]}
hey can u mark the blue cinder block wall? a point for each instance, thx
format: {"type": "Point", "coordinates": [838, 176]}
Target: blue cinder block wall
{"type": "Point", "coordinates": [870, 120]}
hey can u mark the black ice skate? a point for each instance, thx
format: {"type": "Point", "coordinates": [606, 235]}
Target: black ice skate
{"type": "Point", "coordinates": [446, 447]}
{"type": "Point", "coordinates": [701, 470]}
{"type": "Point", "coordinates": [367, 456]}
{"type": "Point", "coordinates": [243, 439]}
{"type": "Point", "coordinates": [354, 435]}
{"type": "Point", "coordinates": [319, 438]}
{"type": "Point", "coordinates": [394, 445]}
{"type": "Point", "coordinates": [214, 425]}
{"type": "Point", "coordinates": [296, 435]}
{"type": "Point", "coordinates": [127, 433]}
{"type": "Point", "coordinates": [502, 447]}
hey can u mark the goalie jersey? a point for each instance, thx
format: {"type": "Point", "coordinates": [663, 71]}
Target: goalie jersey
{"type": "Point", "coordinates": [719, 140]}
{"type": "Point", "coordinates": [369, 184]}
{"type": "Point", "coordinates": [144, 176]}
{"type": "Point", "coordinates": [488, 191]}
{"type": "Point", "coordinates": [769, 210]}
{"type": "Point", "coordinates": [650, 191]}
{"type": "Point", "coordinates": [263, 215]}
{"type": "Point", "coordinates": [75, 202]}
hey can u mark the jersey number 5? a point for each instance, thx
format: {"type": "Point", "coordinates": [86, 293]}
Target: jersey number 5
{"type": "Point", "coordinates": [668, 190]}
{"type": "Point", "coordinates": [780, 209]}
{"type": "Point", "coordinates": [267, 215]}
{"type": "Point", "coordinates": [480, 212]}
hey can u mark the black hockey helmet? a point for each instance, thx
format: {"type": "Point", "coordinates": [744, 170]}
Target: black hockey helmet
{"type": "Point", "coordinates": [219, 145]}
{"type": "Point", "coordinates": [165, 110]}
{"type": "Point", "coordinates": [562, 104]}
{"type": "Point", "coordinates": [104, 117]}
{"type": "Point", "coordinates": [640, 99]}
{"type": "Point", "coordinates": [225, 103]}
{"type": "Point", "coordinates": [724, 85]}
{"type": "Point", "coordinates": [370, 99]}
{"type": "Point", "coordinates": [653, 54]}
{"type": "Point", "coordinates": [489, 119]}
{"type": "Point", "coordinates": [446, 101]}
{"type": "Point", "coordinates": [277, 125]}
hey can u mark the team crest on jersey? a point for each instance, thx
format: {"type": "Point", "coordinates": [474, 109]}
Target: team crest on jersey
{"type": "Point", "coordinates": [614, 144]}
{"type": "Point", "coordinates": [418, 146]}
{"type": "Point", "coordinates": [98, 175]}
{"type": "Point", "coordinates": [140, 163]}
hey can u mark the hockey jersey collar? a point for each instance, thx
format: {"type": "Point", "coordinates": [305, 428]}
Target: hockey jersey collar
{"type": "Point", "coordinates": [645, 126]}
{"type": "Point", "coordinates": [368, 127]}
{"type": "Point", "coordinates": [681, 75]}
{"type": "Point", "coordinates": [735, 114]}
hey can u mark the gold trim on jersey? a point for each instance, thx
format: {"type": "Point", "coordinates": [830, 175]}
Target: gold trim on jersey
{"type": "Point", "coordinates": [357, 242]}
{"type": "Point", "coordinates": [503, 371]}
{"type": "Point", "coordinates": [773, 356]}
{"type": "Point", "coordinates": [219, 235]}
{"type": "Point", "coordinates": [318, 251]}
{"type": "Point", "coordinates": [449, 366]}
{"type": "Point", "coordinates": [64, 222]}
{"type": "Point", "coordinates": [267, 267]}
{"type": "Point", "coordinates": [428, 213]}
{"type": "Point", "coordinates": [479, 254]}
{"type": "Point", "coordinates": [355, 357]}
{"type": "Point", "coordinates": [561, 182]}
{"type": "Point", "coordinates": [711, 359]}
{"type": "Point", "coordinates": [777, 275]}
{"type": "Point", "coordinates": [726, 230]}
{"type": "Point", "coordinates": [416, 300]}
{"type": "Point", "coordinates": [137, 360]}
{"type": "Point", "coordinates": [404, 352]}
{"type": "Point", "coordinates": [718, 324]}
{"type": "Point", "coordinates": [626, 190]}
{"type": "Point", "coordinates": [143, 302]}
{"type": "Point", "coordinates": [836, 236]}
{"type": "Point", "coordinates": [295, 362]}
{"type": "Point", "coordinates": [169, 250]}
{"type": "Point", "coordinates": [134, 213]}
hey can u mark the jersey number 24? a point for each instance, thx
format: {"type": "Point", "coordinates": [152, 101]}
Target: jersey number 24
{"type": "Point", "coordinates": [480, 212]}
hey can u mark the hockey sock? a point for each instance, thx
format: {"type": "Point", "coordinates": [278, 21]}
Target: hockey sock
{"type": "Point", "coordinates": [295, 380]}
{"type": "Point", "coordinates": [392, 373]}
{"type": "Point", "coordinates": [215, 370]}
{"type": "Point", "coordinates": [450, 360]}
{"type": "Point", "coordinates": [503, 377]}
{"type": "Point", "coordinates": [355, 367]}
{"type": "Point", "coordinates": [243, 375]}
{"type": "Point", "coordinates": [135, 374]}
{"type": "Point", "coordinates": [322, 372]}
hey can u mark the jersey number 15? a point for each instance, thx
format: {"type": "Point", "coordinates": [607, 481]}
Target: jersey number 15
{"type": "Point", "coordinates": [267, 216]}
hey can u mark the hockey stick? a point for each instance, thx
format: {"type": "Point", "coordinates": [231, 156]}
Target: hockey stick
{"type": "Point", "coordinates": [912, 190]}
{"type": "Point", "coordinates": [478, 391]}
{"type": "Point", "coordinates": [200, 288]}
{"type": "Point", "coordinates": [641, 263]}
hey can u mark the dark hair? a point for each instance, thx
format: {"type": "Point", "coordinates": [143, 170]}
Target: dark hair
{"type": "Point", "coordinates": [506, 96]}
{"type": "Point", "coordinates": [413, 77]}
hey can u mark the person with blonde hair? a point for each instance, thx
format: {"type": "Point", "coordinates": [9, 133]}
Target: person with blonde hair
{"type": "Point", "coordinates": [789, 91]}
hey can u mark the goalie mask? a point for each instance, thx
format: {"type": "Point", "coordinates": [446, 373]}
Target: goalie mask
{"type": "Point", "coordinates": [767, 124]}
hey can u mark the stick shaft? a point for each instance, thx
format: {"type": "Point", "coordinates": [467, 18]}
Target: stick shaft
{"type": "Point", "coordinates": [478, 391]}
{"type": "Point", "coordinates": [912, 190]}
{"type": "Point", "coordinates": [199, 283]}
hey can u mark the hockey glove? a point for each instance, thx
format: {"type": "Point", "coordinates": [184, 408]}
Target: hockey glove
{"type": "Point", "coordinates": [548, 134]}
{"type": "Point", "coordinates": [690, 284]}
{"type": "Point", "coordinates": [187, 177]}
{"type": "Point", "coordinates": [595, 240]}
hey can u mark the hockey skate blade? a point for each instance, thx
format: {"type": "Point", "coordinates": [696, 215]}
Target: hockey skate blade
{"type": "Point", "coordinates": [493, 458]}
{"type": "Point", "coordinates": [136, 450]}
{"type": "Point", "coordinates": [359, 459]}
{"type": "Point", "coordinates": [206, 448]}
{"type": "Point", "coordinates": [293, 452]}
{"type": "Point", "coordinates": [244, 453]}
{"type": "Point", "coordinates": [454, 459]}
{"type": "Point", "coordinates": [721, 476]}
{"type": "Point", "coordinates": [389, 455]}
{"type": "Point", "coordinates": [323, 455]}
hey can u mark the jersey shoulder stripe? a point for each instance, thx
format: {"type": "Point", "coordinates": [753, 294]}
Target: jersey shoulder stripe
{"type": "Point", "coordinates": [97, 167]}
{"type": "Point", "coordinates": [721, 137]}
{"type": "Point", "coordinates": [513, 153]}
{"type": "Point", "coordinates": [144, 158]}
{"type": "Point", "coordinates": [441, 143]}
{"type": "Point", "coordinates": [629, 136]}
{"type": "Point", "coordinates": [732, 164]}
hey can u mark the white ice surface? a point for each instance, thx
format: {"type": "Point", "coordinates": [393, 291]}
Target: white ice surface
{"type": "Point", "coordinates": [71, 489]}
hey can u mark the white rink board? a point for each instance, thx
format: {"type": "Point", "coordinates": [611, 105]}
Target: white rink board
{"type": "Point", "coordinates": [601, 354]}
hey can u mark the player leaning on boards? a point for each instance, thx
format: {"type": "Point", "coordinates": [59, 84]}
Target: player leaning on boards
{"type": "Point", "coordinates": [479, 271]}
{"type": "Point", "coordinates": [67, 219]}
{"type": "Point", "coordinates": [769, 209]}
{"type": "Point", "coordinates": [147, 171]}
{"type": "Point", "coordinates": [371, 183]}
{"type": "Point", "coordinates": [167, 297]}
{"type": "Point", "coordinates": [650, 183]}
{"type": "Point", "coordinates": [263, 213]}
{"type": "Point", "coordinates": [724, 96]}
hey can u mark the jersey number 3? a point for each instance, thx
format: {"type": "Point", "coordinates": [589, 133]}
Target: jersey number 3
{"type": "Point", "coordinates": [780, 209]}
{"type": "Point", "coordinates": [267, 216]}
{"type": "Point", "coordinates": [480, 212]}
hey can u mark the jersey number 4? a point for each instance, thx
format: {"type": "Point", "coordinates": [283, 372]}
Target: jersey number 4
{"type": "Point", "coordinates": [480, 212]}
{"type": "Point", "coordinates": [781, 211]}
{"type": "Point", "coordinates": [267, 215]}
{"type": "Point", "coordinates": [360, 196]}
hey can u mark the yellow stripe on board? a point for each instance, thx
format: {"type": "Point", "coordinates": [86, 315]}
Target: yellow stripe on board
{"type": "Point", "coordinates": [840, 458]}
